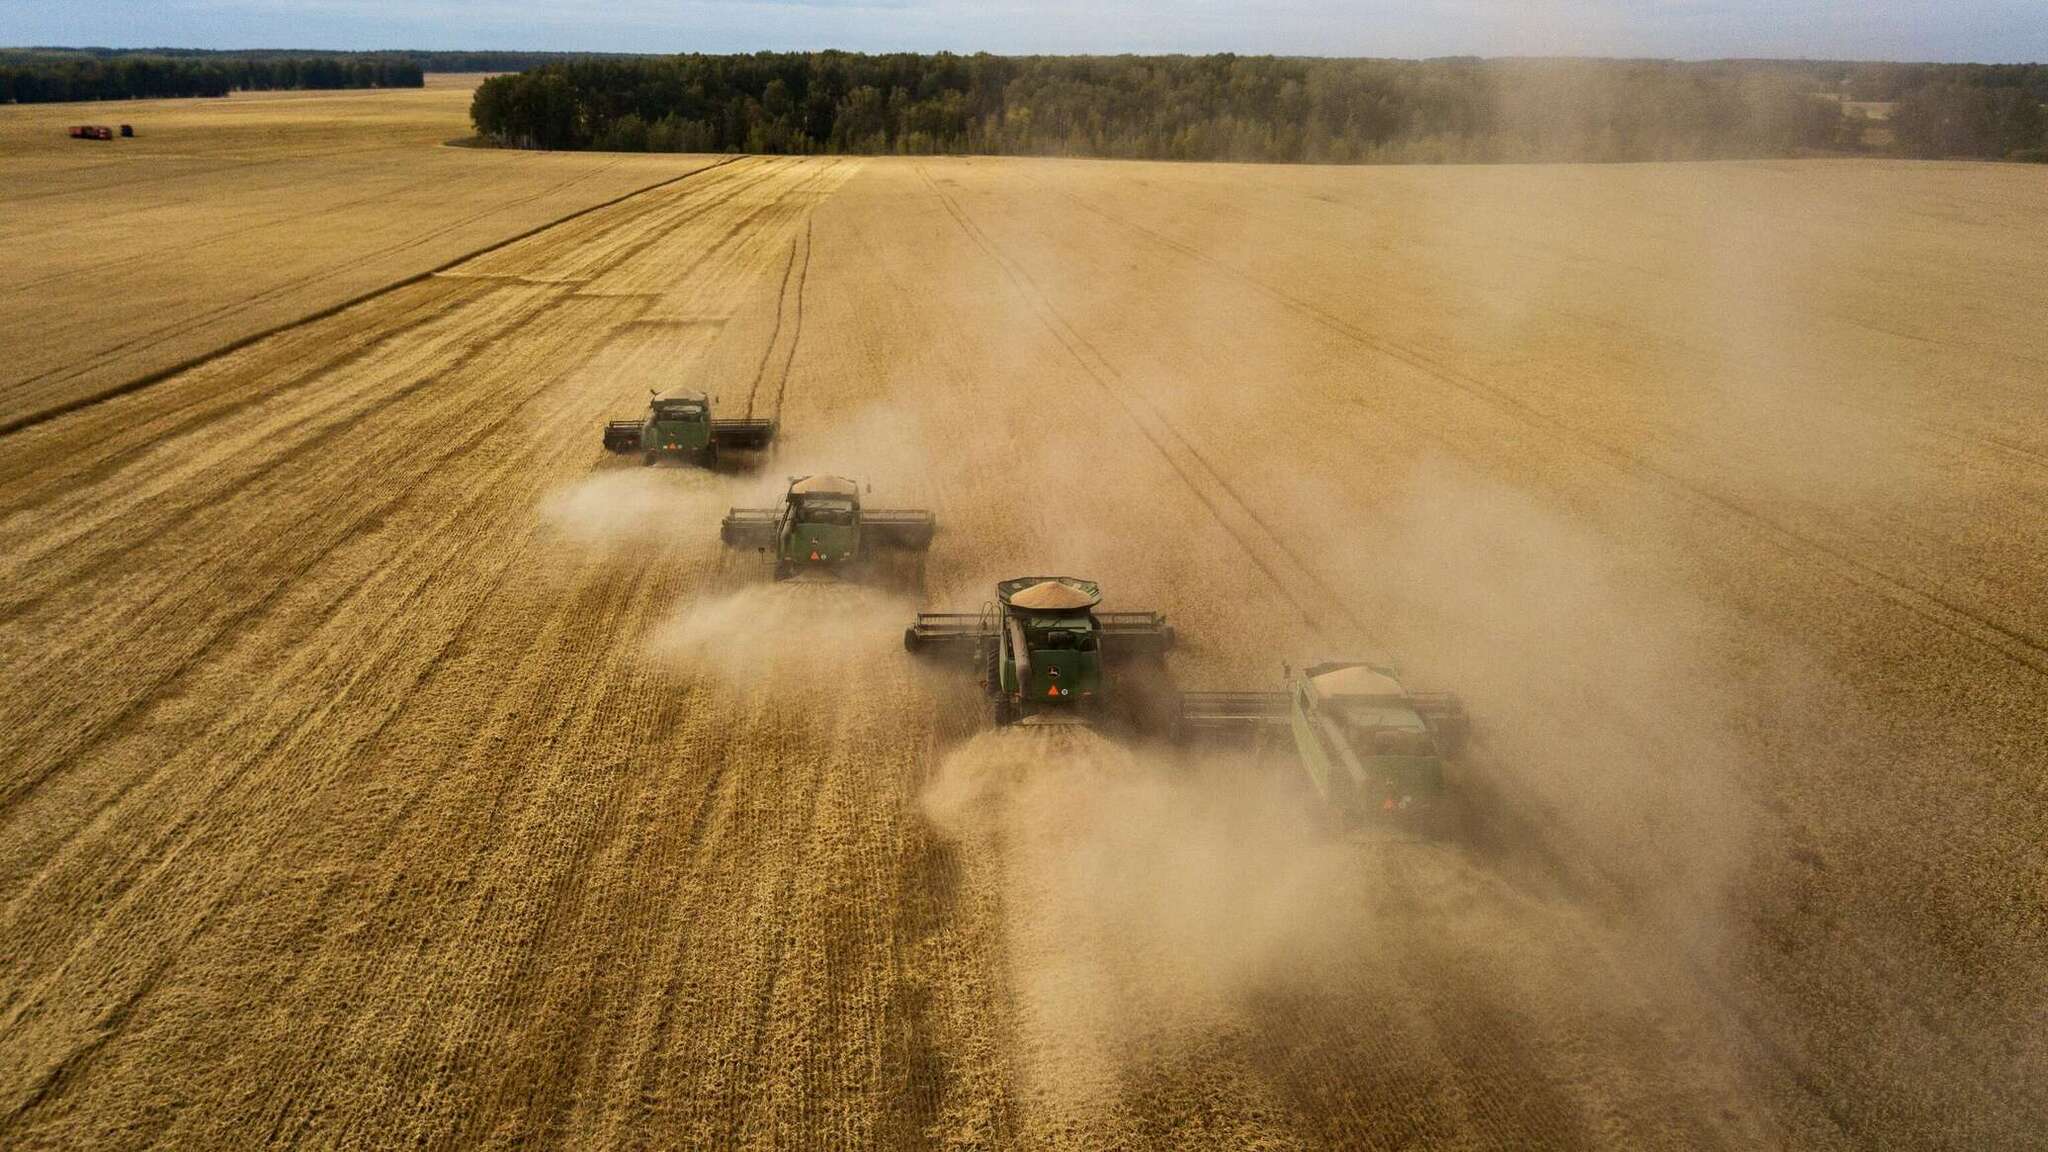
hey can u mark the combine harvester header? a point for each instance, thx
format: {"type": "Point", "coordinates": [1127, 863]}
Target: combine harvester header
{"type": "Point", "coordinates": [822, 526]}
{"type": "Point", "coordinates": [1043, 650]}
{"type": "Point", "coordinates": [678, 425]}
{"type": "Point", "coordinates": [1368, 745]}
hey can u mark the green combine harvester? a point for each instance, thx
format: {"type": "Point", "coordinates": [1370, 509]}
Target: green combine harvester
{"type": "Point", "coordinates": [1044, 652]}
{"type": "Point", "coordinates": [822, 527]}
{"type": "Point", "coordinates": [1369, 746]}
{"type": "Point", "coordinates": [678, 425]}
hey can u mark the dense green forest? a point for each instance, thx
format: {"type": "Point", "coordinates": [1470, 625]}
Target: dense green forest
{"type": "Point", "coordinates": [1259, 108]}
{"type": "Point", "coordinates": [40, 75]}
{"type": "Point", "coordinates": [429, 61]}
{"type": "Point", "coordinates": [503, 61]}
{"type": "Point", "coordinates": [1956, 118]}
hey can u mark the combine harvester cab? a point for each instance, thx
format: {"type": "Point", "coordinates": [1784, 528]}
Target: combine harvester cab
{"type": "Point", "coordinates": [822, 527]}
{"type": "Point", "coordinates": [678, 425]}
{"type": "Point", "coordinates": [1369, 747]}
{"type": "Point", "coordinates": [1043, 650]}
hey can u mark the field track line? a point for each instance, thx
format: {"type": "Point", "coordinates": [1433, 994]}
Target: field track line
{"type": "Point", "coordinates": [186, 416]}
{"type": "Point", "coordinates": [1159, 431]}
{"type": "Point", "coordinates": [1959, 435]}
{"type": "Point", "coordinates": [191, 173]}
{"type": "Point", "coordinates": [170, 844]}
{"type": "Point", "coordinates": [109, 1025]}
{"type": "Point", "coordinates": [774, 333]}
{"type": "Point", "coordinates": [13, 793]}
{"type": "Point", "coordinates": [1753, 1025]}
{"type": "Point", "coordinates": [222, 312]}
{"type": "Point", "coordinates": [2015, 645]}
{"type": "Point", "coordinates": [803, 272]}
{"type": "Point", "coordinates": [762, 1012]}
{"type": "Point", "coordinates": [317, 431]}
{"type": "Point", "coordinates": [158, 375]}
{"type": "Point", "coordinates": [111, 725]}
{"type": "Point", "coordinates": [796, 336]}
{"type": "Point", "coordinates": [319, 372]}
{"type": "Point", "coordinates": [328, 210]}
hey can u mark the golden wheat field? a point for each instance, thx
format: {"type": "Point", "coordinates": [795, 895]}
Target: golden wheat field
{"type": "Point", "coordinates": [223, 219]}
{"type": "Point", "coordinates": [382, 763]}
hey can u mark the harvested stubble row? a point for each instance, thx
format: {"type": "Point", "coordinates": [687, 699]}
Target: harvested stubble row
{"type": "Point", "coordinates": [382, 764]}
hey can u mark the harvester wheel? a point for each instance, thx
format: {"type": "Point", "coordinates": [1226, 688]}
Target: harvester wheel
{"type": "Point", "coordinates": [911, 643]}
{"type": "Point", "coordinates": [647, 459]}
{"type": "Point", "coordinates": [992, 679]}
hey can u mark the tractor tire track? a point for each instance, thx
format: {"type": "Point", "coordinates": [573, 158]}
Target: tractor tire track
{"type": "Point", "coordinates": [21, 787]}
{"type": "Point", "coordinates": [448, 844]}
{"type": "Point", "coordinates": [796, 336]}
{"type": "Point", "coordinates": [17, 423]}
{"type": "Point", "coordinates": [774, 333]}
{"type": "Point", "coordinates": [2014, 644]}
{"type": "Point", "coordinates": [375, 663]}
{"type": "Point", "coordinates": [283, 288]}
{"type": "Point", "coordinates": [305, 219]}
{"type": "Point", "coordinates": [1311, 598]}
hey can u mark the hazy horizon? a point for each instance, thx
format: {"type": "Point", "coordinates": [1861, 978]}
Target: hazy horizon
{"type": "Point", "coordinates": [1985, 31]}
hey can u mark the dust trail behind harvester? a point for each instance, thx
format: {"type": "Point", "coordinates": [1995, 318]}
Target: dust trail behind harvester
{"type": "Point", "coordinates": [623, 508]}
{"type": "Point", "coordinates": [1605, 731]}
{"type": "Point", "coordinates": [824, 634]}
{"type": "Point", "coordinates": [741, 627]}
{"type": "Point", "coordinates": [1180, 934]}
{"type": "Point", "coordinates": [1141, 905]}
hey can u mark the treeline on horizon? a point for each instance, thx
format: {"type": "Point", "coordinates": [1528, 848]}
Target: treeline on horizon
{"type": "Point", "coordinates": [45, 75]}
{"type": "Point", "coordinates": [1242, 108]}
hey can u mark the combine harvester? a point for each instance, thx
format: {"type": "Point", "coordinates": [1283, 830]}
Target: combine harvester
{"type": "Point", "coordinates": [678, 425]}
{"type": "Point", "coordinates": [1369, 746]}
{"type": "Point", "coordinates": [821, 527]}
{"type": "Point", "coordinates": [1044, 653]}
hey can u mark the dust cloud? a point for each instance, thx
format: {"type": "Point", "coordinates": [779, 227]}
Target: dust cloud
{"type": "Point", "coordinates": [626, 507]}
{"type": "Point", "coordinates": [1776, 410]}
{"type": "Point", "coordinates": [881, 445]}
{"type": "Point", "coordinates": [740, 625]}
{"type": "Point", "coordinates": [1143, 902]}
{"type": "Point", "coordinates": [1605, 733]}
{"type": "Point", "coordinates": [799, 632]}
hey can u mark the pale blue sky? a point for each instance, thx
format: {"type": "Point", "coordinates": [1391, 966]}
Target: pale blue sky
{"type": "Point", "coordinates": [1987, 30]}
